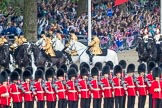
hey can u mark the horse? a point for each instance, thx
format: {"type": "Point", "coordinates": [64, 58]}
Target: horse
{"type": "Point", "coordinates": [142, 50]}
{"type": "Point", "coordinates": [5, 55]}
{"type": "Point", "coordinates": [159, 52]}
{"type": "Point", "coordinates": [152, 49]}
{"type": "Point", "coordinates": [41, 58]}
{"type": "Point", "coordinates": [21, 56]}
{"type": "Point", "coordinates": [84, 57]}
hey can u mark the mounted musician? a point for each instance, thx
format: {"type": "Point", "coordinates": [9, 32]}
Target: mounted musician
{"type": "Point", "coordinates": [94, 48]}
{"type": "Point", "coordinates": [3, 40]}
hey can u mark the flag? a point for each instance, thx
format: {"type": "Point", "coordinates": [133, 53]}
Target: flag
{"type": "Point", "coordinates": [119, 2]}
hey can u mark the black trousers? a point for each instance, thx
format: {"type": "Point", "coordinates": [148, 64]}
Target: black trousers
{"type": "Point", "coordinates": [118, 101]}
{"type": "Point", "coordinates": [29, 104]}
{"type": "Point", "coordinates": [17, 104]}
{"type": "Point", "coordinates": [40, 104]}
{"type": "Point", "coordinates": [97, 103]}
{"type": "Point", "coordinates": [51, 104]}
{"type": "Point", "coordinates": [108, 103]}
{"type": "Point", "coordinates": [141, 101]}
{"type": "Point", "coordinates": [85, 103]}
{"type": "Point", "coordinates": [124, 99]}
{"type": "Point", "coordinates": [156, 103]}
{"type": "Point", "coordinates": [150, 100]}
{"type": "Point", "coordinates": [62, 103]}
{"type": "Point", "coordinates": [4, 106]}
{"type": "Point", "coordinates": [131, 102]}
{"type": "Point", "coordinates": [72, 104]}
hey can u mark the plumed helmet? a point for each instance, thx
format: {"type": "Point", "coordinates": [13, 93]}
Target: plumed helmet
{"type": "Point", "coordinates": [14, 76]}
{"type": "Point", "coordinates": [3, 76]}
{"type": "Point", "coordinates": [123, 64]}
{"type": "Point", "coordinates": [98, 65]}
{"type": "Point", "coordinates": [64, 67]}
{"type": "Point", "coordinates": [156, 72]}
{"type": "Point", "coordinates": [38, 74]}
{"type": "Point", "coordinates": [117, 69]}
{"type": "Point", "coordinates": [72, 72]}
{"type": "Point", "coordinates": [141, 68]}
{"type": "Point", "coordinates": [60, 72]}
{"type": "Point", "coordinates": [110, 64]}
{"type": "Point", "coordinates": [106, 70]}
{"type": "Point", "coordinates": [84, 65]}
{"type": "Point", "coordinates": [94, 71]}
{"type": "Point", "coordinates": [150, 66]}
{"type": "Point", "coordinates": [130, 68]}
{"type": "Point", "coordinates": [26, 74]}
{"type": "Point", "coordinates": [49, 73]}
{"type": "Point", "coordinates": [30, 68]}
{"type": "Point", "coordinates": [84, 72]}
{"type": "Point", "coordinates": [8, 71]}
{"type": "Point", "coordinates": [74, 66]}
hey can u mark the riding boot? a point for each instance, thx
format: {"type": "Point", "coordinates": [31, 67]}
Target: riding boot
{"type": "Point", "coordinates": [69, 58]}
{"type": "Point", "coordinates": [49, 58]}
{"type": "Point", "coordinates": [90, 59]}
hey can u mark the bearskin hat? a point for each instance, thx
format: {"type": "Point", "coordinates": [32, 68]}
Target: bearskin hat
{"type": "Point", "coordinates": [49, 73]}
{"type": "Point", "coordinates": [41, 68]}
{"type": "Point", "coordinates": [156, 72]}
{"type": "Point", "coordinates": [110, 64]}
{"type": "Point", "coordinates": [130, 68]}
{"type": "Point", "coordinates": [14, 76]}
{"type": "Point", "coordinates": [18, 70]}
{"type": "Point", "coordinates": [123, 64]}
{"type": "Point", "coordinates": [38, 74]}
{"type": "Point", "coordinates": [117, 69]}
{"type": "Point", "coordinates": [84, 65]}
{"type": "Point", "coordinates": [84, 72]}
{"type": "Point", "coordinates": [72, 72]}
{"type": "Point", "coordinates": [64, 67]}
{"type": "Point", "coordinates": [52, 69]}
{"type": "Point", "coordinates": [98, 65]}
{"type": "Point", "coordinates": [141, 68]}
{"type": "Point", "coordinates": [106, 70]}
{"type": "Point", "coordinates": [8, 71]}
{"type": "Point", "coordinates": [30, 69]}
{"type": "Point", "coordinates": [150, 66]}
{"type": "Point", "coordinates": [26, 74]}
{"type": "Point", "coordinates": [3, 76]}
{"type": "Point", "coordinates": [74, 66]}
{"type": "Point", "coordinates": [60, 72]}
{"type": "Point", "coordinates": [94, 71]}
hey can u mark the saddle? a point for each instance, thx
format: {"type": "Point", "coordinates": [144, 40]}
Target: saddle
{"type": "Point", "coordinates": [104, 52]}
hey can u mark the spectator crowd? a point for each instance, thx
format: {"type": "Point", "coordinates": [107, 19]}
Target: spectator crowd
{"type": "Point", "coordinates": [116, 26]}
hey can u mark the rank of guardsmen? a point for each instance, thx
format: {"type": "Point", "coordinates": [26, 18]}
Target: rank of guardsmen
{"type": "Point", "coordinates": [105, 86]}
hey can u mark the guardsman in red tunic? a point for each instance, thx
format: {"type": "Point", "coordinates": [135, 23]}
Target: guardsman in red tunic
{"type": "Point", "coordinates": [118, 87]}
{"type": "Point", "coordinates": [131, 87]}
{"type": "Point", "coordinates": [84, 89]}
{"type": "Point", "coordinates": [16, 92]}
{"type": "Point", "coordinates": [40, 86]}
{"type": "Point", "coordinates": [51, 89]}
{"type": "Point", "coordinates": [111, 65]}
{"type": "Point", "coordinates": [61, 91]}
{"type": "Point", "coordinates": [4, 90]}
{"type": "Point", "coordinates": [72, 89]}
{"type": "Point", "coordinates": [156, 88]}
{"type": "Point", "coordinates": [149, 76]}
{"type": "Point", "coordinates": [28, 95]}
{"type": "Point", "coordinates": [96, 89]}
{"type": "Point", "coordinates": [123, 64]}
{"type": "Point", "coordinates": [142, 86]}
{"type": "Point", "coordinates": [108, 88]}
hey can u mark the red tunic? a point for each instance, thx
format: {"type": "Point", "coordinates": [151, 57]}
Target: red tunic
{"type": "Point", "coordinates": [28, 96]}
{"type": "Point", "coordinates": [85, 93]}
{"type": "Point", "coordinates": [131, 88]}
{"type": "Point", "coordinates": [5, 100]}
{"type": "Point", "coordinates": [118, 89]}
{"type": "Point", "coordinates": [61, 90]}
{"type": "Point", "coordinates": [142, 88]}
{"type": "Point", "coordinates": [50, 95]}
{"type": "Point", "coordinates": [107, 88]}
{"type": "Point", "coordinates": [39, 91]}
{"type": "Point", "coordinates": [150, 77]}
{"type": "Point", "coordinates": [156, 85]}
{"type": "Point", "coordinates": [16, 93]}
{"type": "Point", "coordinates": [96, 91]}
{"type": "Point", "coordinates": [72, 92]}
